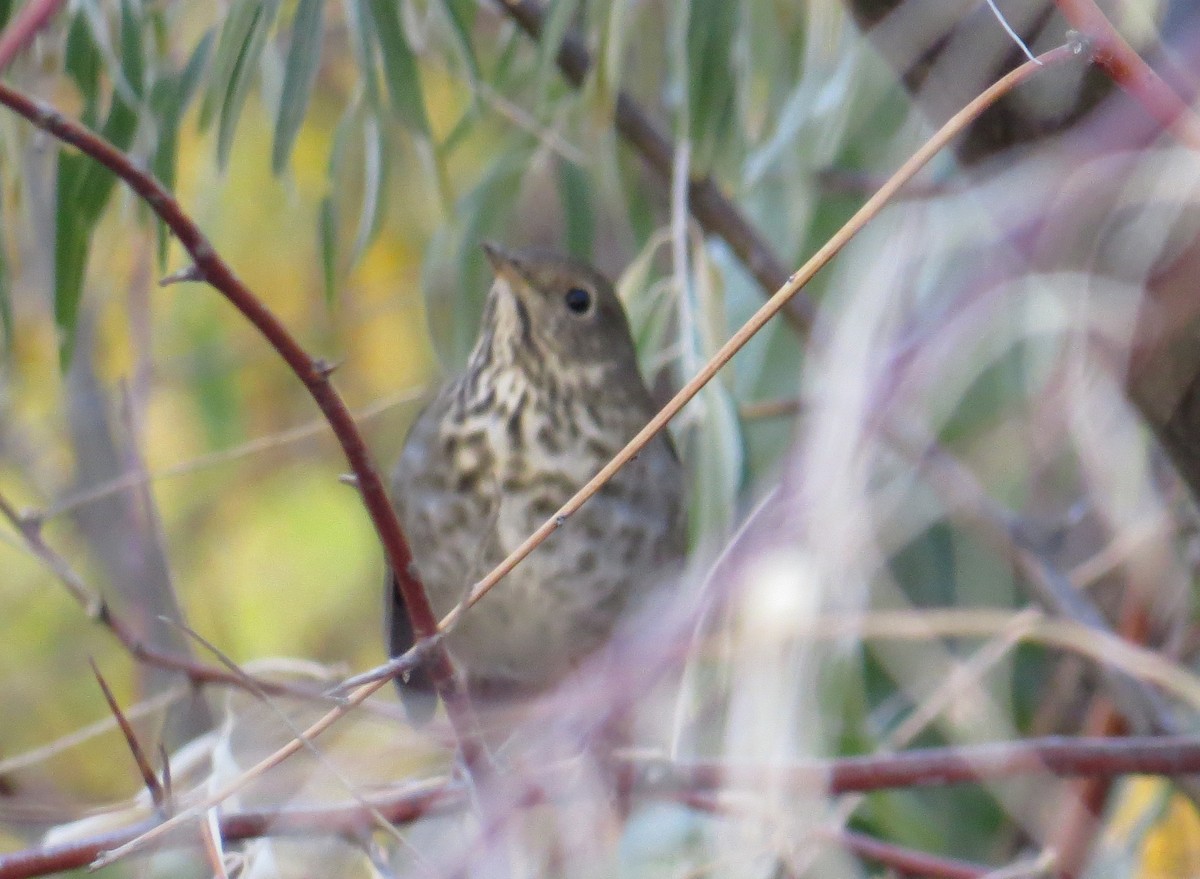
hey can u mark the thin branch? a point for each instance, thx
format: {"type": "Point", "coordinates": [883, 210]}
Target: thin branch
{"type": "Point", "coordinates": [795, 283]}
{"type": "Point", "coordinates": [135, 747]}
{"type": "Point", "coordinates": [219, 275]}
{"type": "Point", "coordinates": [276, 440]}
{"type": "Point", "coordinates": [21, 30]}
{"type": "Point", "coordinates": [906, 861]}
{"type": "Point", "coordinates": [714, 211]}
{"type": "Point", "coordinates": [1113, 54]}
{"type": "Point", "coordinates": [1060, 756]}
{"type": "Point", "coordinates": [97, 609]}
{"type": "Point", "coordinates": [697, 783]}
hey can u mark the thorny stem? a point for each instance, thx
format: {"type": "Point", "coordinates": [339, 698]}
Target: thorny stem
{"type": "Point", "coordinates": [772, 307]}
{"type": "Point", "coordinates": [701, 784]}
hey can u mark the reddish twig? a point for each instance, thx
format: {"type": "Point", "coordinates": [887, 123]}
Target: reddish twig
{"type": "Point", "coordinates": [699, 784]}
{"type": "Point", "coordinates": [94, 605]}
{"type": "Point", "coordinates": [1113, 54]}
{"type": "Point", "coordinates": [907, 861]}
{"type": "Point", "coordinates": [20, 32]}
{"type": "Point", "coordinates": [312, 372]}
{"type": "Point", "coordinates": [135, 748]}
{"type": "Point", "coordinates": [342, 820]}
{"type": "Point", "coordinates": [712, 210]}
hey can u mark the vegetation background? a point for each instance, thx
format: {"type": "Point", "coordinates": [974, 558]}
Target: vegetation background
{"type": "Point", "coordinates": [346, 158]}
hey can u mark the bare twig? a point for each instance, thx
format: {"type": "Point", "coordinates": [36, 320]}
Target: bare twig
{"type": "Point", "coordinates": [219, 275]}
{"type": "Point", "coordinates": [772, 307]}
{"type": "Point", "coordinates": [135, 748]}
{"type": "Point", "coordinates": [20, 32]}
{"type": "Point", "coordinates": [1113, 54]}
{"type": "Point", "coordinates": [714, 211]}
{"type": "Point", "coordinates": [696, 783]}
{"type": "Point", "coordinates": [198, 673]}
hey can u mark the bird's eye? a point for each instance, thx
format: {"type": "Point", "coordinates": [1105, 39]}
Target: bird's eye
{"type": "Point", "coordinates": [578, 300]}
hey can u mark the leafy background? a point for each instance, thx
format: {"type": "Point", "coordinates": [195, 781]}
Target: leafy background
{"type": "Point", "coordinates": [347, 158]}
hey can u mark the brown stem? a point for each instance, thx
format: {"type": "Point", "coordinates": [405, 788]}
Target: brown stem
{"type": "Point", "coordinates": [1113, 54]}
{"type": "Point", "coordinates": [712, 210]}
{"type": "Point", "coordinates": [699, 784]}
{"type": "Point", "coordinates": [21, 30]}
{"type": "Point", "coordinates": [314, 374]}
{"type": "Point", "coordinates": [197, 673]}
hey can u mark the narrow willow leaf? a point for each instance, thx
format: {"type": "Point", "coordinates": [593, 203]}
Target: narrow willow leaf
{"type": "Point", "coordinates": [83, 63]}
{"type": "Point", "coordinates": [482, 213]}
{"type": "Point", "coordinates": [611, 54]}
{"type": "Point", "coordinates": [303, 61]}
{"type": "Point", "coordinates": [562, 12]}
{"type": "Point", "coordinates": [236, 30]}
{"type": "Point", "coordinates": [83, 190]}
{"type": "Point", "coordinates": [458, 134]}
{"type": "Point", "coordinates": [399, 67]}
{"type": "Point", "coordinates": [6, 312]}
{"type": "Point", "coordinates": [373, 170]}
{"type": "Point", "coordinates": [711, 27]}
{"type": "Point", "coordinates": [239, 80]}
{"type": "Point", "coordinates": [575, 192]}
{"type": "Point", "coordinates": [362, 26]}
{"type": "Point", "coordinates": [327, 232]}
{"type": "Point", "coordinates": [133, 65]}
{"type": "Point", "coordinates": [461, 14]}
{"type": "Point", "coordinates": [170, 97]}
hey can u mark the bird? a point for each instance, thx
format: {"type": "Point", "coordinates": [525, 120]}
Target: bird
{"type": "Point", "coordinates": [550, 393]}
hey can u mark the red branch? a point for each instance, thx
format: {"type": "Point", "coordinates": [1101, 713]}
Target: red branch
{"type": "Point", "coordinates": [935, 767]}
{"type": "Point", "coordinates": [1113, 54]}
{"type": "Point", "coordinates": [715, 213]}
{"type": "Point", "coordinates": [22, 29]}
{"type": "Point", "coordinates": [700, 785]}
{"type": "Point", "coordinates": [314, 373]}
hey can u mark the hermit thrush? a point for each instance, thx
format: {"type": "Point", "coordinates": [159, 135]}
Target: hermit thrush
{"type": "Point", "coordinates": [550, 393]}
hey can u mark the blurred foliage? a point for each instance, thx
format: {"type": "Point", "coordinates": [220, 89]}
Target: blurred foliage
{"type": "Point", "coordinates": [347, 159]}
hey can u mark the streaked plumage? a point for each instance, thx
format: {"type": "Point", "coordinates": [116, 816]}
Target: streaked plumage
{"type": "Point", "coordinates": [550, 393]}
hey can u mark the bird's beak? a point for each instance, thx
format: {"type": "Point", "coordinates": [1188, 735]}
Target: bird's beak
{"type": "Point", "coordinates": [505, 263]}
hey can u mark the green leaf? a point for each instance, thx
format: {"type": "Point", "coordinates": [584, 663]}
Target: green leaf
{"type": "Point", "coordinates": [362, 27]}
{"type": "Point", "coordinates": [239, 79]}
{"type": "Point", "coordinates": [557, 22]}
{"type": "Point", "coordinates": [239, 48]}
{"type": "Point", "coordinates": [374, 171]}
{"type": "Point", "coordinates": [239, 23]}
{"type": "Point", "coordinates": [711, 27]}
{"type": "Point", "coordinates": [5, 11]}
{"type": "Point", "coordinates": [133, 65]}
{"type": "Point", "coordinates": [169, 99]}
{"type": "Point", "coordinates": [83, 189]}
{"type": "Point", "coordinates": [399, 67]}
{"type": "Point", "coordinates": [453, 308]}
{"type": "Point", "coordinates": [575, 192]}
{"type": "Point", "coordinates": [327, 231]}
{"type": "Point", "coordinates": [303, 61]}
{"type": "Point", "coordinates": [83, 63]}
{"type": "Point", "coordinates": [6, 314]}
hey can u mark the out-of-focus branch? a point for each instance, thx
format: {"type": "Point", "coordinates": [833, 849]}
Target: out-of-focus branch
{"type": "Point", "coordinates": [695, 782]}
{"type": "Point", "coordinates": [712, 210]}
{"type": "Point", "coordinates": [313, 373]}
{"type": "Point", "coordinates": [197, 672]}
{"type": "Point", "coordinates": [20, 32]}
{"type": "Point", "coordinates": [1113, 54]}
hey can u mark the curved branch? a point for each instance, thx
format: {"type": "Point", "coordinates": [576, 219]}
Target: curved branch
{"type": "Point", "coordinates": [714, 211]}
{"type": "Point", "coordinates": [698, 783]}
{"type": "Point", "coordinates": [1113, 54]}
{"type": "Point", "coordinates": [314, 373]}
